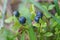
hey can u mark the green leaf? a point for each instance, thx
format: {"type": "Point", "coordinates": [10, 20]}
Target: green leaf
{"type": "Point", "coordinates": [56, 19]}
{"type": "Point", "coordinates": [57, 7]}
{"type": "Point", "coordinates": [32, 16]}
{"type": "Point", "coordinates": [48, 34]}
{"type": "Point", "coordinates": [44, 7]}
{"type": "Point", "coordinates": [16, 25]}
{"type": "Point", "coordinates": [24, 11]}
{"type": "Point", "coordinates": [51, 7]}
{"type": "Point", "coordinates": [32, 9]}
{"type": "Point", "coordinates": [23, 36]}
{"type": "Point", "coordinates": [57, 31]}
{"type": "Point", "coordinates": [36, 24]}
{"type": "Point", "coordinates": [43, 23]}
{"type": "Point", "coordinates": [9, 20]}
{"type": "Point", "coordinates": [32, 35]}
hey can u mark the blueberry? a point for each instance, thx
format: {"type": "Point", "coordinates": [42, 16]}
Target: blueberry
{"type": "Point", "coordinates": [16, 13]}
{"type": "Point", "coordinates": [22, 20]}
{"type": "Point", "coordinates": [39, 14]}
{"type": "Point", "coordinates": [37, 19]}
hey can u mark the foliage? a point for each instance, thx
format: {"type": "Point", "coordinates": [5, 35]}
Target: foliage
{"type": "Point", "coordinates": [48, 27]}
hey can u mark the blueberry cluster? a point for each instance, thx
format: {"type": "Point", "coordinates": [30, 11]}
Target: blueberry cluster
{"type": "Point", "coordinates": [38, 16]}
{"type": "Point", "coordinates": [22, 19]}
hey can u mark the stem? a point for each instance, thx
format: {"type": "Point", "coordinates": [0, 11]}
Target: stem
{"type": "Point", "coordinates": [40, 32]}
{"type": "Point", "coordinates": [48, 25]}
{"type": "Point", "coordinates": [18, 37]}
{"type": "Point", "coordinates": [3, 12]}
{"type": "Point", "coordinates": [49, 30]}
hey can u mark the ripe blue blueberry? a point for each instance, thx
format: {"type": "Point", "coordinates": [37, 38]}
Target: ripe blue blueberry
{"type": "Point", "coordinates": [16, 13]}
{"type": "Point", "coordinates": [22, 20]}
{"type": "Point", "coordinates": [39, 14]}
{"type": "Point", "coordinates": [37, 19]}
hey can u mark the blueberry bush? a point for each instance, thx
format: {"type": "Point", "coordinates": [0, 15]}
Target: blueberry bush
{"type": "Point", "coordinates": [33, 21]}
